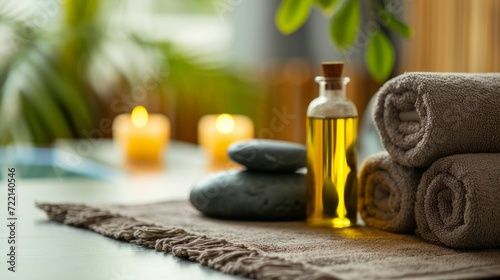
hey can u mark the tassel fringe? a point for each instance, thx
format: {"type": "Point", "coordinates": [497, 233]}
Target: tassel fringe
{"type": "Point", "coordinates": [215, 253]}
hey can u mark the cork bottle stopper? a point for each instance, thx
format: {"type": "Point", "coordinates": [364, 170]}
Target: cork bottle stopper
{"type": "Point", "coordinates": [333, 70]}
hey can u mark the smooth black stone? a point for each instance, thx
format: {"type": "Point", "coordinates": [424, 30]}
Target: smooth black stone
{"type": "Point", "coordinates": [251, 196]}
{"type": "Point", "coordinates": [268, 155]}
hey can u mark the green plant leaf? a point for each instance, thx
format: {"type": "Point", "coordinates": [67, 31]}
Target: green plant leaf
{"type": "Point", "coordinates": [395, 25]}
{"type": "Point", "coordinates": [72, 101]}
{"type": "Point", "coordinates": [38, 132]}
{"type": "Point", "coordinates": [380, 57]}
{"type": "Point", "coordinates": [80, 12]}
{"type": "Point", "coordinates": [392, 22]}
{"type": "Point", "coordinates": [292, 14]}
{"type": "Point", "coordinates": [40, 97]}
{"type": "Point", "coordinates": [325, 4]}
{"type": "Point", "coordinates": [345, 25]}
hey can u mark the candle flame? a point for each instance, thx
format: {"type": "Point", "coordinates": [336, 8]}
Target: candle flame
{"type": "Point", "coordinates": [224, 123]}
{"type": "Point", "coordinates": [139, 116]}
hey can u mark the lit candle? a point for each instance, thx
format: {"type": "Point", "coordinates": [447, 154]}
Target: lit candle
{"type": "Point", "coordinates": [217, 132]}
{"type": "Point", "coordinates": [141, 136]}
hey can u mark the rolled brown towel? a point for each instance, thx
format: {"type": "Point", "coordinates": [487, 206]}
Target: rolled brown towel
{"type": "Point", "coordinates": [386, 194]}
{"type": "Point", "coordinates": [422, 117]}
{"type": "Point", "coordinates": [458, 202]}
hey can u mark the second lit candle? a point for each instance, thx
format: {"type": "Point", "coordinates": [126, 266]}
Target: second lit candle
{"type": "Point", "coordinates": [217, 132]}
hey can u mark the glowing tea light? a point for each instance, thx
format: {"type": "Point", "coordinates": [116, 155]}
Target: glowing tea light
{"type": "Point", "coordinates": [217, 132]}
{"type": "Point", "coordinates": [224, 123]}
{"type": "Point", "coordinates": [141, 136]}
{"type": "Point", "coordinates": [139, 116]}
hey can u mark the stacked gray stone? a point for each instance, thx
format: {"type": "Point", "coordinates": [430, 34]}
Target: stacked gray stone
{"type": "Point", "coordinates": [271, 188]}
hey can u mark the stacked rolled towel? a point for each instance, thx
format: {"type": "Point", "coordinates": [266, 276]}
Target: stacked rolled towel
{"type": "Point", "coordinates": [452, 122]}
{"type": "Point", "coordinates": [422, 117]}
{"type": "Point", "coordinates": [458, 202]}
{"type": "Point", "coordinates": [387, 192]}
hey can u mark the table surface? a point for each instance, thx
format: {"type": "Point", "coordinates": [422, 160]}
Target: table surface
{"type": "Point", "coordinates": [49, 250]}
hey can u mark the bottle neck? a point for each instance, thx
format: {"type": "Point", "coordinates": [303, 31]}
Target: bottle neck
{"type": "Point", "coordinates": [332, 93]}
{"type": "Point", "coordinates": [332, 87]}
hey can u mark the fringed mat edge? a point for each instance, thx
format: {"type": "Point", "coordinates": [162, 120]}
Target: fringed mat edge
{"type": "Point", "coordinates": [217, 254]}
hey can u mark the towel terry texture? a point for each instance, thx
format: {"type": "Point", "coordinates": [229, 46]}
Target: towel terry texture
{"type": "Point", "coordinates": [458, 202]}
{"type": "Point", "coordinates": [422, 117]}
{"type": "Point", "coordinates": [387, 193]}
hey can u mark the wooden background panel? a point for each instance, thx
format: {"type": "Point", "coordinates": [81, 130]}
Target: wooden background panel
{"type": "Point", "coordinates": [452, 36]}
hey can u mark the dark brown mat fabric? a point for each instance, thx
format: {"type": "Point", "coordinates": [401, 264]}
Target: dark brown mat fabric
{"type": "Point", "coordinates": [284, 250]}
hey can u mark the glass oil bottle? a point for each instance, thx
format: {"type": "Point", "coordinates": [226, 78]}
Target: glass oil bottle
{"type": "Point", "coordinates": [332, 124]}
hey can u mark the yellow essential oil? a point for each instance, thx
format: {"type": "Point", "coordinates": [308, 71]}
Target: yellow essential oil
{"type": "Point", "coordinates": [331, 171]}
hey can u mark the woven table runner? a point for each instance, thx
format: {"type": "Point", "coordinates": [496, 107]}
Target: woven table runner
{"type": "Point", "coordinates": [277, 250]}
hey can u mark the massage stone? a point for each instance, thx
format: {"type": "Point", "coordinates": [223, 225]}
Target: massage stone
{"type": "Point", "coordinates": [268, 155]}
{"type": "Point", "coordinates": [251, 195]}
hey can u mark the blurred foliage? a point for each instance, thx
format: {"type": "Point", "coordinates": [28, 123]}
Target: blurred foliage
{"type": "Point", "coordinates": [58, 74]}
{"type": "Point", "coordinates": [347, 30]}
{"type": "Point", "coordinates": [192, 6]}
